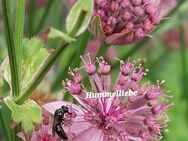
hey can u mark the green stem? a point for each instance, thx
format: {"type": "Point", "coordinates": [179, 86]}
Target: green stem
{"type": "Point", "coordinates": [50, 61]}
{"type": "Point", "coordinates": [41, 74]}
{"type": "Point", "coordinates": [183, 60]}
{"type": "Point", "coordinates": [19, 31]}
{"type": "Point", "coordinates": [11, 47]}
{"type": "Point", "coordinates": [17, 129]}
{"type": "Point", "coordinates": [44, 16]}
{"type": "Point", "coordinates": [4, 126]}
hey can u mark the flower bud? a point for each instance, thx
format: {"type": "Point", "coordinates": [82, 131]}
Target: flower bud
{"type": "Point", "coordinates": [116, 18]}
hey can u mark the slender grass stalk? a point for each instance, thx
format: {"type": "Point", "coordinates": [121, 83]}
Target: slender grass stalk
{"type": "Point", "coordinates": [50, 61]}
{"type": "Point", "coordinates": [11, 47]}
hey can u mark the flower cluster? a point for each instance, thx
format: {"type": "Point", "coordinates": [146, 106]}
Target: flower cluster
{"type": "Point", "coordinates": [125, 21]}
{"type": "Point", "coordinates": [118, 118]}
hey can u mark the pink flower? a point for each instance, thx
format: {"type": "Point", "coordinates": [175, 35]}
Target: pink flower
{"type": "Point", "coordinates": [125, 21]}
{"type": "Point", "coordinates": [137, 118]}
{"type": "Point", "coordinates": [42, 132]}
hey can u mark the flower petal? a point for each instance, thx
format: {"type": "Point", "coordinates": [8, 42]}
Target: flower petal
{"type": "Point", "coordinates": [91, 134]}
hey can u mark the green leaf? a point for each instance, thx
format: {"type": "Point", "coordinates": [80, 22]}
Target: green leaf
{"type": "Point", "coordinates": [32, 58]}
{"type": "Point", "coordinates": [27, 114]}
{"type": "Point", "coordinates": [54, 33]}
{"type": "Point", "coordinates": [74, 14]}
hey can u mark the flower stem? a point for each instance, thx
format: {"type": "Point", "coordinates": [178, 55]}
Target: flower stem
{"type": "Point", "coordinates": [50, 61]}
{"type": "Point", "coordinates": [11, 47]}
{"type": "Point", "coordinates": [19, 30]}
{"type": "Point", "coordinates": [183, 60]}
{"type": "Point", "coordinates": [4, 126]}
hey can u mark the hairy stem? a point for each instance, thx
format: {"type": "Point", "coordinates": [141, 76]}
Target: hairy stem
{"type": "Point", "coordinates": [19, 31]}
{"type": "Point", "coordinates": [11, 47]}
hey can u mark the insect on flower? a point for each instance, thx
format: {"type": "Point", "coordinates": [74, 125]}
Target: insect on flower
{"type": "Point", "coordinates": [119, 118]}
{"type": "Point", "coordinates": [58, 120]}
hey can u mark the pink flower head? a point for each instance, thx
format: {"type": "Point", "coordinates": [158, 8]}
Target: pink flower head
{"type": "Point", "coordinates": [114, 118]}
{"type": "Point", "coordinates": [42, 132]}
{"type": "Point", "coordinates": [125, 21]}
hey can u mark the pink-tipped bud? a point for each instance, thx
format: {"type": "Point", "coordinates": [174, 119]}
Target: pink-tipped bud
{"type": "Point", "coordinates": [73, 88]}
{"type": "Point", "coordinates": [90, 69]}
{"type": "Point", "coordinates": [137, 76]}
{"type": "Point", "coordinates": [126, 68]}
{"type": "Point", "coordinates": [159, 109]}
{"type": "Point", "coordinates": [77, 77]}
{"type": "Point", "coordinates": [149, 121]}
{"type": "Point", "coordinates": [122, 80]}
{"type": "Point", "coordinates": [153, 93]}
{"type": "Point", "coordinates": [104, 68]}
